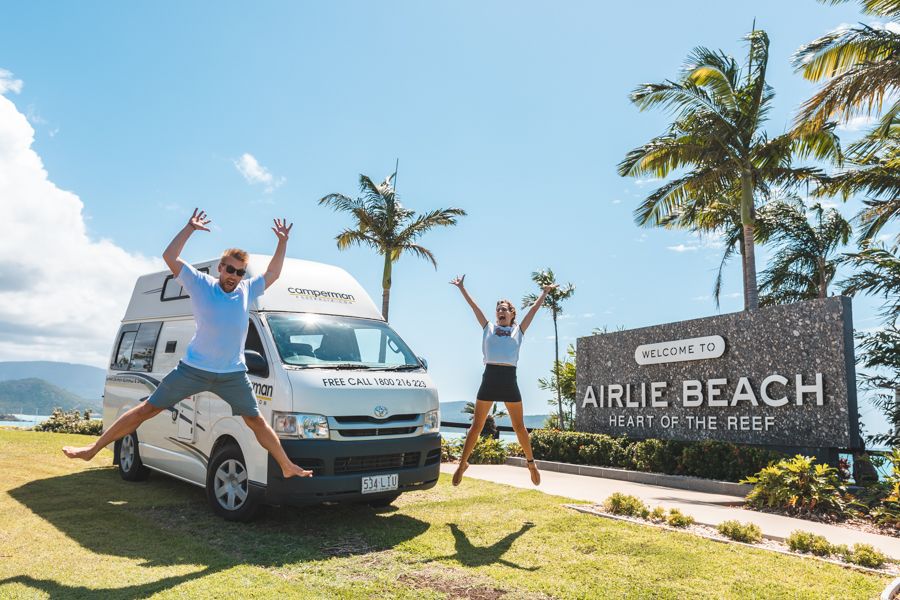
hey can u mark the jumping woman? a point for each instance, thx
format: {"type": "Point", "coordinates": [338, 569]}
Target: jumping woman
{"type": "Point", "coordinates": [500, 344]}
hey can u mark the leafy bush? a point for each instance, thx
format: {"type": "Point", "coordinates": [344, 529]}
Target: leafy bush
{"type": "Point", "coordinates": [749, 533]}
{"type": "Point", "coordinates": [488, 451]}
{"type": "Point", "coordinates": [451, 449]}
{"type": "Point", "coordinates": [71, 422]}
{"type": "Point", "coordinates": [717, 460]}
{"type": "Point", "coordinates": [677, 518]}
{"type": "Point", "coordinates": [514, 449]}
{"type": "Point", "coordinates": [623, 504]}
{"type": "Point", "coordinates": [865, 555]}
{"type": "Point", "coordinates": [799, 486]}
{"type": "Point", "coordinates": [657, 514]}
{"type": "Point", "coordinates": [806, 542]}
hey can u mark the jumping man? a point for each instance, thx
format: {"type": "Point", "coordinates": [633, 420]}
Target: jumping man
{"type": "Point", "coordinates": [214, 361]}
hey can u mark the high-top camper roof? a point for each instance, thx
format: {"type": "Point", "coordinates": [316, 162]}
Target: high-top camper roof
{"type": "Point", "coordinates": [304, 286]}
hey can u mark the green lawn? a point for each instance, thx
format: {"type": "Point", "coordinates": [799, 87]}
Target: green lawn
{"type": "Point", "coordinates": [71, 530]}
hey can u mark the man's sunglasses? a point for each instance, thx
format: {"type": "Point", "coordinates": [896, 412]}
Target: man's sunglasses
{"type": "Point", "coordinates": [232, 271]}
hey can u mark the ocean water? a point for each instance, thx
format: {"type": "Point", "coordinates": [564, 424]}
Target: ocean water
{"type": "Point", "coordinates": [26, 422]}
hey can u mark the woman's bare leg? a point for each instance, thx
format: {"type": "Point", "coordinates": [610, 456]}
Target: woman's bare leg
{"type": "Point", "coordinates": [481, 412]}
{"type": "Point", "coordinates": [518, 422]}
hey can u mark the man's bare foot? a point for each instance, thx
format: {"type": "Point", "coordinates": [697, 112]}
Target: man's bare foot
{"type": "Point", "coordinates": [296, 471]}
{"type": "Point", "coordinates": [535, 474]}
{"type": "Point", "coordinates": [84, 452]}
{"type": "Point", "coordinates": [457, 476]}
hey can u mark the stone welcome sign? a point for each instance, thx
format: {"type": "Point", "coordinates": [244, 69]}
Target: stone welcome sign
{"type": "Point", "coordinates": [782, 375]}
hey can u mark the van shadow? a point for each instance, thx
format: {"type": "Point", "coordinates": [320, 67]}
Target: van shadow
{"type": "Point", "coordinates": [163, 522]}
{"type": "Point", "coordinates": [470, 555]}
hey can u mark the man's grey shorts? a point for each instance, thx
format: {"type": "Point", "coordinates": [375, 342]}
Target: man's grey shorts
{"type": "Point", "coordinates": [185, 381]}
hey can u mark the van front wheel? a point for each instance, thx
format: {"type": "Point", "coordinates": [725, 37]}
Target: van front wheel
{"type": "Point", "coordinates": [228, 488]}
{"type": "Point", "coordinates": [128, 457]}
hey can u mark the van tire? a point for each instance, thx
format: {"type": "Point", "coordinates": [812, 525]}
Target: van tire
{"type": "Point", "coordinates": [128, 457]}
{"type": "Point", "coordinates": [228, 488]}
{"type": "Point", "coordinates": [383, 502]}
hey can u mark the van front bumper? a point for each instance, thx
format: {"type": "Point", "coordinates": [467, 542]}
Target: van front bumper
{"type": "Point", "coordinates": [339, 467]}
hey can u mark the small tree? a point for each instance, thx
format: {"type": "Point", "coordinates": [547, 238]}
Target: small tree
{"type": "Point", "coordinates": [553, 301]}
{"type": "Point", "coordinates": [565, 386]}
{"type": "Point", "coordinates": [490, 424]}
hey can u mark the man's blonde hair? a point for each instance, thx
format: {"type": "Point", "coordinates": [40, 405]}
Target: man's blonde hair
{"type": "Point", "coordinates": [237, 253]}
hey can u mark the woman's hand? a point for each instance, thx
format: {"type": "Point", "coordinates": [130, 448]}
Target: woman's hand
{"type": "Point", "coordinates": [550, 287]}
{"type": "Point", "coordinates": [458, 282]}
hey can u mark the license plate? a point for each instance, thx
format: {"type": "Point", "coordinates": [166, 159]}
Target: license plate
{"type": "Point", "coordinates": [380, 483]}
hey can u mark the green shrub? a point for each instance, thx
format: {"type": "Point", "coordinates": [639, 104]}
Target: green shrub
{"type": "Point", "coordinates": [451, 449]}
{"type": "Point", "coordinates": [806, 542]}
{"type": "Point", "coordinates": [71, 422]}
{"type": "Point", "coordinates": [797, 485]}
{"type": "Point", "coordinates": [656, 456]}
{"type": "Point", "coordinates": [514, 449]}
{"type": "Point", "coordinates": [749, 533]}
{"type": "Point", "coordinates": [677, 518]}
{"type": "Point", "coordinates": [658, 514]}
{"type": "Point", "coordinates": [724, 461]}
{"type": "Point", "coordinates": [623, 504]}
{"type": "Point", "coordinates": [865, 555]}
{"type": "Point", "coordinates": [488, 451]}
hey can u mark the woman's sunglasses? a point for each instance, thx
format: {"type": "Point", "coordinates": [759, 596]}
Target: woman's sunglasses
{"type": "Point", "coordinates": [232, 271]}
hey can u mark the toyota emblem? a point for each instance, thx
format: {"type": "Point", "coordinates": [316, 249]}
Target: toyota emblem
{"type": "Point", "coordinates": [381, 411]}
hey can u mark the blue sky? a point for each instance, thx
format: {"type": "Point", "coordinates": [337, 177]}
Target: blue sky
{"type": "Point", "coordinates": [516, 112]}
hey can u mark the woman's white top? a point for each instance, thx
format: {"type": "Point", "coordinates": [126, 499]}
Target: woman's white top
{"type": "Point", "coordinates": [500, 345]}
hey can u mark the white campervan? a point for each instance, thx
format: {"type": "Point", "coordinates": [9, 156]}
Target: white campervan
{"type": "Point", "coordinates": [345, 394]}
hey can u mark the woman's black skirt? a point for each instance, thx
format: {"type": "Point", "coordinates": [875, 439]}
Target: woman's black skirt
{"type": "Point", "coordinates": [498, 384]}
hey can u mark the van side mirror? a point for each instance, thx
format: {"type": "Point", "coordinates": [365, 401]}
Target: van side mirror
{"type": "Point", "coordinates": [256, 364]}
{"type": "Point", "coordinates": [422, 362]}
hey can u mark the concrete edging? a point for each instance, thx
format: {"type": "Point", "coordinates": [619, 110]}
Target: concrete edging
{"type": "Point", "coordinates": [890, 592]}
{"type": "Point", "coordinates": [682, 482]}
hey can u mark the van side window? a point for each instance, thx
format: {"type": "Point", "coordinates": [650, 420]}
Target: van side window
{"type": "Point", "coordinates": [137, 344]}
{"type": "Point", "coordinates": [253, 341]}
{"type": "Point", "coordinates": [172, 290]}
{"type": "Point", "coordinates": [144, 347]}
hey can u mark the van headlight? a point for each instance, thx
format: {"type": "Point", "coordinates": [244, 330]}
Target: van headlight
{"type": "Point", "coordinates": [432, 422]}
{"type": "Point", "coordinates": [298, 425]}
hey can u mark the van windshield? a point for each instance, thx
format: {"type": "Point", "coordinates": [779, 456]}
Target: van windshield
{"type": "Point", "coordinates": [323, 340]}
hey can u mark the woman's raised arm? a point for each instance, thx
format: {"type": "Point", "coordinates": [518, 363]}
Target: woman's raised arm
{"type": "Point", "coordinates": [458, 282]}
{"type": "Point", "coordinates": [526, 321]}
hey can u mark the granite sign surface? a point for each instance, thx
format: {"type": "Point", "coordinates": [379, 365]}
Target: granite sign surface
{"type": "Point", "coordinates": [786, 376]}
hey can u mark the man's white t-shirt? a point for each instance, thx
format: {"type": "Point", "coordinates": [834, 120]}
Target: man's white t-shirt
{"type": "Point", "coordinates": [222, 320]}
{"type": "Point", "coordinates": [500, 345]}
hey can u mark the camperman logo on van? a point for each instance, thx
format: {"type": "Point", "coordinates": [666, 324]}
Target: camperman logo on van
{"type": "Point", "coordinates": [322, 295]}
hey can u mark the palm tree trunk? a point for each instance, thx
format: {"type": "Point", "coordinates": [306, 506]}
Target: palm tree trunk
{"type": "Point", "coordinates": [751, 291]}
{"type": "Point", "coordinates": [823, 278]}
{"type": "Point", "coordinates": [386, 285]}
{"type": "Point", "coordinates": [556, 369]}
{"type": "Point", "coordinates": [744, 273]}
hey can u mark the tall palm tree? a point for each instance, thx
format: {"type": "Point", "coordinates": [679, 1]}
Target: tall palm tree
{"type": "Point", "coordinates": [384, 224]}
{"type": "Point", "coordinates": [552, 301]}
{"type": "Point", "coordinates": [804, 264]}
{"type": "Point", "coordinates": [717, 145]}
{"type": "Point", "coordinates": [861, 69]}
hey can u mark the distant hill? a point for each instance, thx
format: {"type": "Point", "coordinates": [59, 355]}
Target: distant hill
{"type": "Point", "coordinates": [82, 380]}
{"type": "Point", "coordinates": [453, 412]}
{"type": "Point", "coordinates": [36, 396]}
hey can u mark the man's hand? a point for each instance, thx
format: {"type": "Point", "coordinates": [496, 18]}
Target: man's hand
{"type": "Point", "coordinates": [282, 229]}
{"type": "Point", "coordinates": [198, 221]}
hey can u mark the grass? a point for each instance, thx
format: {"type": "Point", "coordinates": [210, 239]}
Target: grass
{"type": "Point", "coordinates": [75, 530]}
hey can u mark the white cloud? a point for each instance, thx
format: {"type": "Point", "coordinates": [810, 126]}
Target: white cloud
{"type": "Point", "coordinates": [648, 181]}
{"type": "Point", "coordinates": [8, 84]}
{"type": "Point", "coordinates": [682, 248]}
{"type": "Point", "coordinates": [857, 123]}
{"type": "Point", "coordinates": [254, 173]}
{"type": "Point", "coordinates": [63, 293]}
{"type": "Point", "coordinates": [617, 201]}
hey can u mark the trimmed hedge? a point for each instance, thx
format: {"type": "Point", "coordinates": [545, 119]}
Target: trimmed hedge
{"type": "Point", "coordinates": [709, 459]}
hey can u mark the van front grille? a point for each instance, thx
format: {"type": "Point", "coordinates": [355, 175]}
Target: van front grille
{"type": "Point", "coordinates": [382, 462]}
{"type": "Point", "coordinates": [355, 419]}
{"type": "Point", "coordinates": [377, 431]}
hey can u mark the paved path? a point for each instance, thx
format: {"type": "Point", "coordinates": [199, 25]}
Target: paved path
{"type": "Point", "coordinates": [707, 509]}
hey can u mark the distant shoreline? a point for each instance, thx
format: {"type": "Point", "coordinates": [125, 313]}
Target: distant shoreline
{"type": "Point", "coordinates": [10, 418]}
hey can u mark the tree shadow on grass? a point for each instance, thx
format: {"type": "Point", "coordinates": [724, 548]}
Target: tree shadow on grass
{"type": "Point", "coordinates": [163, 522]}
{"type": "Point", "coordinates": [470, 555]}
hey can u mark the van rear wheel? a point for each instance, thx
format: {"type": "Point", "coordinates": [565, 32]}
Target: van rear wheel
{"type": "Point", "coordinates": [128, 456]}
{"type": "Point", "coordinates": [228, 488]}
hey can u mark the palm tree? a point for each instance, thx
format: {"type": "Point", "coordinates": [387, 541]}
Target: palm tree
{"type": "Point", "coordinates": [716, 139]}
{"type": "Point", "coordinates": [804, 264]}
{"type": "Point", "coordinates": [490, 424]}
{"type": "Point", "coordinates": [384, 224]}
{"type": "Point", "coordinates": [861, 66]}
{"type": "Point", "coordinates": [553, 301]}
{"type": "Point", "coordinates": [562, 379]}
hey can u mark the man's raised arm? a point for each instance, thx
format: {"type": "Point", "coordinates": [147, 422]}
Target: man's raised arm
{"type": "Point", "coordinates": [283, 230]}
{"type": "Point", "coordinates": [197, 221]}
